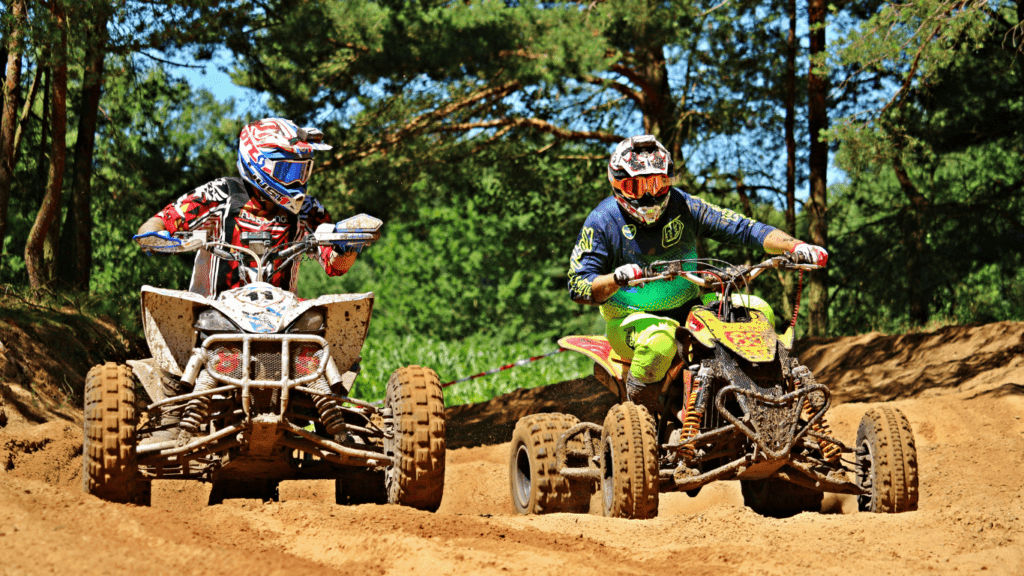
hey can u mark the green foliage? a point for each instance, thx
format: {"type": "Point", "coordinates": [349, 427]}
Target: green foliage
{"type": "Point", "coordinates": [932, 200]}
{"type": "Point", "coordinates": [158, 140]}
{"type": "Point", "coordinates": [484, 250]}
{"type": "Point", "coordinates": [385, 352]}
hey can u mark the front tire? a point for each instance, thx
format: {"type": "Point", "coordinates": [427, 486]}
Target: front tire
{"type": "Point", "coordinates": [417, 445]}
{"type": "Point", "coordinates": [109, 469]}
{"type": "Point", "coordinates": [886, 462]}
{"type": "Point", "coordinates": [536, 483]}
{"type": "Point", "coordinates": [629, 463]}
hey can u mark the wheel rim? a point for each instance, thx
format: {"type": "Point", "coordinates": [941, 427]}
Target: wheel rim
{"type": "Point", "coordinates": [608, 477]}
{"type": "Point", "coordinates": [865, 475]}
{"type": "Point", "coordinates": [522, 477]}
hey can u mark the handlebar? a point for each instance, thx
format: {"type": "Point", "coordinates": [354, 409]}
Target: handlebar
{"type": "Point", "coordinates": [717, 277]}
{"type": "Point", "coordinates": [358, 231]}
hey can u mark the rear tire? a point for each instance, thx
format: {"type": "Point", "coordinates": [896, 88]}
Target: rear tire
{"type": "Point", "coordinates": [416, 477]}
{"type": "Point", "coordinates": [629, 463]}
{"type": "Point", "coordinates": [537, 486]}
{"type": "Point", "coordinates": [778, 498]}
{"type": "Point", "coordinates": [886, 462]}
{"type": "Point", "coordinates": [109, 469]}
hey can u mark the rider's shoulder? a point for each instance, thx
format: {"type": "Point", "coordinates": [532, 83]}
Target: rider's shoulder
{"type": "Point", "coordinates": [607, 209]}
{"type": "Point", "coordinates": [216, 190]}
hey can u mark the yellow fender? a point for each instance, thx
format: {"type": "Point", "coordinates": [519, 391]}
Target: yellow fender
{"type": "Point", "coordinates": [753, 341]}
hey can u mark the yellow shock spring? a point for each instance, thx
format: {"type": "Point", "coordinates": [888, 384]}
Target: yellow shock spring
{"type": "Point", "coordinates": [691, 424]}
{"type": "Point", "coordinates": [828, 449]}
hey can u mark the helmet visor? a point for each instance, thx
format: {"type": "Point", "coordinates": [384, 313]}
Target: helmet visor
{"type": "Point", "coordinates": [290, 172]}
{"type": "Point", "coordinates": [637, 187]}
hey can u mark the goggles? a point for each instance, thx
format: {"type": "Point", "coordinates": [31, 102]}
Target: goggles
{"type": "Point", "coordinates": [635, 188]}
{"type": "Point", "coordinates": [289, 172]}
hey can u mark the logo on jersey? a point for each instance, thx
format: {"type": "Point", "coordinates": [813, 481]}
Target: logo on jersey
{"type": "Point", "coordinates": [672, 233]}
{"type": "Point", "coordinates": [583, 245]}
{"type": "Point", "coordinates": [629, 231]}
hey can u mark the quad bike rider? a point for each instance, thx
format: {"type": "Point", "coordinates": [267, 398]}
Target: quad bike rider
{"type": "Point", "coordinates": [668, 358]}
{"type": "Point", "coordinates": [248, 384]}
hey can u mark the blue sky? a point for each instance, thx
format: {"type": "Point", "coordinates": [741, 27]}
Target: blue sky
{"type": "Point", "coordinates": [211, 76]}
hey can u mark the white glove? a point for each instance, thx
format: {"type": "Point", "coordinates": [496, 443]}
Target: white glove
{"type": "Point", "coordinates": [804, 253]}
{"type": "Point", "coordinates": [623, 274]}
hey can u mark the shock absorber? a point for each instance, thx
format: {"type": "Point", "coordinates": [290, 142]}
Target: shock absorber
{"type": "Point", "coordinates": [695, 406]}
{"type": "Point", "coordinates": [691, 424]}
{"type": "Point", "coordinates": [828, 448]}
{"type": "Point", "coordinates": [330, 411]}
{"type": "Point", "coordinates": [197, 408]}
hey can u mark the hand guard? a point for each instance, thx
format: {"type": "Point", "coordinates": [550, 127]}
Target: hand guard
{"type": "Point", "coordinates": [161, 241]}
{"type": "Point", "coordinates": [804, 253]}
{"type": "Point", "coordinates": [623, 274]}
{"type": "Point", "coordinates": [350, 244]}
{"type": "Point", "coordinates": [352, 234]}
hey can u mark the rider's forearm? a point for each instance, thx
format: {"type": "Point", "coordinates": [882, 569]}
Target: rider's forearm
{"type": "Point", "coordinates": [603, 288]}
{"type": "Point", "coordinates": [778, 242]}
{"type": "Point", "coordinates": [154, 224]}
{"type": "Point", "coordinates": [341, 262]}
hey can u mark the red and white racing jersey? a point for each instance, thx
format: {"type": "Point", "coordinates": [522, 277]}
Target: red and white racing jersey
{"type": "Point", "coordinates": [228, 207]}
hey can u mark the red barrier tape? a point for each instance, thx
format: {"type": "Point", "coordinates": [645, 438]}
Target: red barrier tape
{"type": "Point", "coordinates": [522, 362]}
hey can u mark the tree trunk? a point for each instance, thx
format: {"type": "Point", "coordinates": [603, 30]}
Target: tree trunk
{"type": "Point", "coordinates": [54, 183]}
{"type": "Point", "coordinates": [660, 117]}
{"type": "Point", "coordinates": [26, 110]}
{"type": "Point", "coordinates": [918, 292]}
{"type": "Point", "coordinates": [77, 260]}
{"type": "Point", "coordinates": [817, 120]}
{"type": "Point", "coordinates": [790, 121]}
{"type": "Point", "coordinates": [12, 88]}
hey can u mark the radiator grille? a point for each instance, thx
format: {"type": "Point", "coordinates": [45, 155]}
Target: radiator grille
{"type": "Point", "coordinates": [265, 360]}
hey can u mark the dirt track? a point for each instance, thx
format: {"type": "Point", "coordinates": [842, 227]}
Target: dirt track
{"type": "Point", "coordinates": [962, 389]}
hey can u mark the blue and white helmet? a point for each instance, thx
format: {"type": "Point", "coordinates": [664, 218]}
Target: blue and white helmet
{"type": "Point", "coordinates": [276, 157]}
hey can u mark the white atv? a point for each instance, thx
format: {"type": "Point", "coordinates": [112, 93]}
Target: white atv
{"type": "Point", "coordinates": [254, 386]}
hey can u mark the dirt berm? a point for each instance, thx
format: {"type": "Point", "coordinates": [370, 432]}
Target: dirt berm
{"type": "Point", "coordinates": [961, 387]}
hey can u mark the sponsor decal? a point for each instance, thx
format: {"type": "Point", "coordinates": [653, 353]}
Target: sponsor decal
{"type": "Point", "coordinates": [631, 335]}
{"type": "Point", "coordinates": [695, 324]}
{"type": "Point", "coordinates": [746, 341]}
{"type": "Point", "coordinates": [672, 233]}
{"type": "Point", "coordinates": [259, 296]}
{"type": "Point", "coordinates": [730, 216]}
{"type": "Point", "coordinates": [629, 231]}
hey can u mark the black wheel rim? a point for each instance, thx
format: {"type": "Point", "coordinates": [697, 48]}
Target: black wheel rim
{"type": "Point", "coordinates": [865, 475]}
{"type": "Point", "coordinates": [522, 477]}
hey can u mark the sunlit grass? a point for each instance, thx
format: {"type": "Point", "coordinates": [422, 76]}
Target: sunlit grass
{"type": "Point", "coordinates": [383, 355]}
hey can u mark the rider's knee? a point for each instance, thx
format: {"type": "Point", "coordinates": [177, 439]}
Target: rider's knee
{"type": "Point", "coordinates": [655, 348]}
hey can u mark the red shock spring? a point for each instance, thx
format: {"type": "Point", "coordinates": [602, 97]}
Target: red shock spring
{"type": "Point", "coordinates": [796, 305]}
{"type": "Point", "coordinates": [691, 424]}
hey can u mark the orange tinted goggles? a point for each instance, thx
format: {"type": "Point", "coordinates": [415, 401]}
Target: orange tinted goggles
{"type": "Point", "coordinates": [637, 187]}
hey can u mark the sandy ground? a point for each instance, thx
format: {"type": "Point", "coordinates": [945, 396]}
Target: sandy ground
{"type": "Point", "coordinates": [961, 388]}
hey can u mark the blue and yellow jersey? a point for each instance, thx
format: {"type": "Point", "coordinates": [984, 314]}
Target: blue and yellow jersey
{"type": "Point", "coordinates": [609, 240]}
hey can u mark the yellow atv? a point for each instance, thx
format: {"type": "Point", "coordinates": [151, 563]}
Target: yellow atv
{"type": "Point", "coordinates": [736, 406]}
